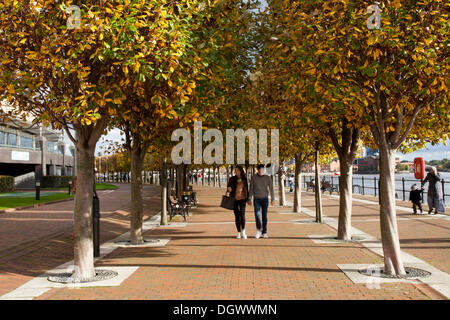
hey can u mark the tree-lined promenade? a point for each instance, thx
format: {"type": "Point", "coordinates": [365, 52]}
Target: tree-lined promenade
{"type": "Point", "coordinates": [329, 75]}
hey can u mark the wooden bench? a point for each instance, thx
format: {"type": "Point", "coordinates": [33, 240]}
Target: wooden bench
{"type": "Point", "coordinates": [310, 185]}
{"type": "Point", "coordinates": [177, 207]}
{"type": "Point", "coordinates": [326, 186]}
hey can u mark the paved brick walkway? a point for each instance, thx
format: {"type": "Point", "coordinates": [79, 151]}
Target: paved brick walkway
{"type": "Point", "coordinates": [204, 261]}
{"type": "Point", "coordinates": [424, 236]}
{"type": "Point", "coordinates": [33, 241]}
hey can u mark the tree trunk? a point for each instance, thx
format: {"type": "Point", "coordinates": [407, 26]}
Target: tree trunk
{"type": "Point", "coordinates": [297, 184]}
{"type": "Point", "coordinates": [164, 191]}
{"type": "Point", "coordinates": [281, 187]}
{"type": "Point", "coordinates": [137, 206]}
{"type": "Point", "coordinates": [179, 181]}
{"type": "Point", "coordinates": [318, 195]}
{"type": "Point", "coordinates": [345, 199]}
{"type": "Point", "coordinates": [218, 173]}
{"type": "Point", "coordinates": [83, 233]}
{"type": "Point", "coordinates": [388, 221]}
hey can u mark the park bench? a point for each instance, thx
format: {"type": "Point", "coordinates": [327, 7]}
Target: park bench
{"type": "Point", "coordinates": [177, 207]}
{"type": "Point", "coordinates": [327, 186]}
{"type": "Point", "coordinates": [190, 197]}
{"type": "Point", "coordinates": [310, 185]}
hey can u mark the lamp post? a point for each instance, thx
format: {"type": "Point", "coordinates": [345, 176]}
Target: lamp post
{"type": "Point", "coordinates": [38, 189]}
{"type": "Point", "coordinates": [41, 172]}
{"type": "Point", "coordinates": [99, 166]}
{"type": "Point", "coordinates": [62, 147]}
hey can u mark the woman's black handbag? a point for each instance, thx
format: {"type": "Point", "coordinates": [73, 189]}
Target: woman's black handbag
{"type": "Point", "coordinates": [227, 202]}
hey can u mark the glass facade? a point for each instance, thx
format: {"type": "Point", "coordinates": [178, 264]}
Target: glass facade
{"type": "Point", "coordinates": [11, 139]}
{"type": "Point", "coordinates": [52, 146]}
{"type": "Point", "coordinates": [26, 142]}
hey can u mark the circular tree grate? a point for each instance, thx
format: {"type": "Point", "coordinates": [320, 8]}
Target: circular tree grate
{"type": "Point", "coordinates": [67, 277]}
{"type": "Point", "coordinates": [354, 238]}
{"type": "Point", "coordinates": [145, 243]}
{"type": "Point", "coordinates": [410, 273]}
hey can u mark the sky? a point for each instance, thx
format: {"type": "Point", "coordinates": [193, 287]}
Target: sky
{"type": "Point", "coordinates": [437, 152]}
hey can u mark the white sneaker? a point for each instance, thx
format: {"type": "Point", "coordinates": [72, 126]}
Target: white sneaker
{"type": "Point", "coordinates": [238, 235]}
{"type": "Point", "coordinates": [265, 235]}
{"type": "Point", "coordinates": [258, 234]}
{"type": "Point", "coordinates": [244, 235]}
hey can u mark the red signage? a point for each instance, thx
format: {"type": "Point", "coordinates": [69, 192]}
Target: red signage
{"type": "Point", "coordinates": [419, 168]}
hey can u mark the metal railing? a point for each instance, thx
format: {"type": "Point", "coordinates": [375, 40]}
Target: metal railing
{"type": "Point", "coordinates": [371, 186]}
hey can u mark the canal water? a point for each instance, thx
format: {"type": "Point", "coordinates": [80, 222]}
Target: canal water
{"type": "Point", "coordinates": [367, 184]}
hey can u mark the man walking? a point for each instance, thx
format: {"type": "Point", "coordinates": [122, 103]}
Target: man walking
{"type": "Point", "coordinates": [260, 186]}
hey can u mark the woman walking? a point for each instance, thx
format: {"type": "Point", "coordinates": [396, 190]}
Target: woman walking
{"type": "Point", "coordinates": [238, 189]}
{"type": "Point", "coordinates": [433, 193]}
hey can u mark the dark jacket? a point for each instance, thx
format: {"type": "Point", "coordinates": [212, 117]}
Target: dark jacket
{"type": "Point", "coordinates": [415, 196]}
{"type": "Point", "coordinates": [432, 179]}
{"type": "Point", "coordinates": [233, 182]}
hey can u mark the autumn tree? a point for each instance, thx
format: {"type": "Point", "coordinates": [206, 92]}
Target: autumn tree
{"type": "Point", "coordinates": [387, 78]}
{"type": "Point", "coordinates": [73, 77]}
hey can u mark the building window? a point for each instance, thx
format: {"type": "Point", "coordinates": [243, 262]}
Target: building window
{"type": "Point", "coordinates": [11, 139]}
{"type": "Point", "coordinates": [51, 146]}
{"type": "Point", "coordinates": [26, 142]}
{"type": "Point", "coordinates": [2, 137]}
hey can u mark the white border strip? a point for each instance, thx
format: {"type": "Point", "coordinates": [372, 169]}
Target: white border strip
{"type": "Point", "coordinates": [439, 280]}
{"type": "Point", "coordinates": [39, 285]}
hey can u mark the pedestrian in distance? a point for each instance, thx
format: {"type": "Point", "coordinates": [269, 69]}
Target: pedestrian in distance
{"type": "Point", "coordinates": [260, 186]}
{"type": "Point", "coordinates": [238, 189]}
{"type": "Point", "coordinates": [433, 196]}
{"type": "Point", "coordinates": [415, 196]}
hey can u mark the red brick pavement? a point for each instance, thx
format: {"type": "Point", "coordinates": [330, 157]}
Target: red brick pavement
{"type": "Point", "coordinates": [425, 236]}
{"type": "Point", "coordinates": [204, 261]}
{"type": "Point", "coordinates": [33, 241]}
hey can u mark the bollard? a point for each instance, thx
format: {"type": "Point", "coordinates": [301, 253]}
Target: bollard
{"type": "Point", "coordinates": [38, 189]}
{"type": "Point", "coordinates": [403, 187]}
{"type": "Point", "coordinates": [96, 224]}
{"type": "Point", "coordinates": [375, 185]}
{"type": "Point", "coordinates": [96, 221]}
{"type": "Point", "coordinates": [362, 179]}
{"type": "Point", "coordinates": [70, 187]}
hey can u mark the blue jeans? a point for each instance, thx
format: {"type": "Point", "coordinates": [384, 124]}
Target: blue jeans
{"type": "Point", "coordinates": [258, 205]}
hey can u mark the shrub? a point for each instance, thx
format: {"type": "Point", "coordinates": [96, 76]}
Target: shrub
{"type": "Point", "coordinates": [55, 181]}
{"type": "Point", "coordinates": [6, 184]}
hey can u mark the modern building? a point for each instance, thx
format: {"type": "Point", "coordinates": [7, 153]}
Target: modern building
{"type": "Point", "coordinates": [368, 164]}
{"type": "Point", "coordinates": [26, 148]}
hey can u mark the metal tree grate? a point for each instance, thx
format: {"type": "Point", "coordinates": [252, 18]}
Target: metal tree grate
{"type": "Point", "coordinates": [67, 277]}
{"type": "Point", "coordinates": [145, 243]}
{"type": "Point", "coordinates": [410, 273]}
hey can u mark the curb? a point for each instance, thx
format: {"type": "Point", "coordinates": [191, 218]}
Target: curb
{"type": "Point", "coordinates": [34, 205]}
